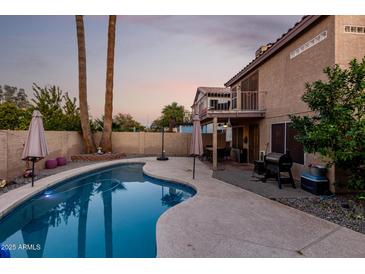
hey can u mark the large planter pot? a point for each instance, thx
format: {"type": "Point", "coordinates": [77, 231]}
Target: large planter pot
{"type": "Point", "coordinates": [318, 171]}
{"type": "Point", "coordinates": [61, 161]}
{"type": "Point", "coordinates": [50, 164]}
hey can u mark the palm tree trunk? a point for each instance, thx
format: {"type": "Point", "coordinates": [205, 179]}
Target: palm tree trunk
{"type": "Point", "coordinates": [108, 221]}
{"type": "Point", "coordinates": [106, 139]}
{"type": "Point", "coordinates": [84, 113]}
{"type": "Point", "coordinates": [171, 125]}
{"type": "Point", "coordinates": [81, 231]}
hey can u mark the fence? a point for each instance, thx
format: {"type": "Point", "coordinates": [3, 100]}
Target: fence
{"type": "Point", "coordinates": [68, 143]}
{"type": "Point", "coordinates": [60, 143]}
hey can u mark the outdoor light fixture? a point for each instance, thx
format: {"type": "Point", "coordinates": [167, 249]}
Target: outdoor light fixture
{"type": "Point", "coordinates": [163, 157]}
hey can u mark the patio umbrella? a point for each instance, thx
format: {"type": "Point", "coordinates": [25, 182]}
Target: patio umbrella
{"type": "Point", "coordinates": [35, 147]}
{"type": "Point", "coordinates": [196, 148]}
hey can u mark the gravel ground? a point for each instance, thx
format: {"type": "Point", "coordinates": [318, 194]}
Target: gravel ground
{"type": "Point", "coordinates": [337, 209]}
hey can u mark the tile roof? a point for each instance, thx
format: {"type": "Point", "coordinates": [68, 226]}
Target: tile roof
{"type": "Point", "coordinates": [213, 89]}
{"type": "Point", "coordinates": [275, 46]}
{"type": "Point", "coordinates": [206, 90]}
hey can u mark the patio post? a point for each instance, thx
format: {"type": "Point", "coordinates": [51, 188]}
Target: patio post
{"type": "Point", "coordinates": [215, 127]}
{"type": "Point", "coordinates": [239, 96]}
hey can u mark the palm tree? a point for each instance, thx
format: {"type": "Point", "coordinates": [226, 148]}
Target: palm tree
{"type": "Point", "coordinates": [106, 138]}
{"type": "Point", "coordinates": [84, 114]}
{"type": "Point", "coordinates": [172, 115]}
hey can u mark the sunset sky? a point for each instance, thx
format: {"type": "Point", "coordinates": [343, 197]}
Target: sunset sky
{"type": "Point", "coordinates": [158, 59]}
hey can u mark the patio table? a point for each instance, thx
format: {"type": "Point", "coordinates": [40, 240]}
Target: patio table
{"type": "Point", "coordinates": [209, 152]}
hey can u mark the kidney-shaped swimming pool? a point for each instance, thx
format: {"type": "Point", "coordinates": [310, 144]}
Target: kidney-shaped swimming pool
{"type": "Point", "coordinates": [109, 212]}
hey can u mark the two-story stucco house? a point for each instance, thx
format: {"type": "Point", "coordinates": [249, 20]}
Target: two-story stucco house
{"type": "Point", "coordinates": [258, 100]}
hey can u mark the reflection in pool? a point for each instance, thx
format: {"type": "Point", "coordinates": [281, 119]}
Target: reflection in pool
{"type": "Point", "coordinates": [111, 212]}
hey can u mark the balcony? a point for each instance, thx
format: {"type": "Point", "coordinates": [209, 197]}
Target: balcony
{"type": "Point", "coordinates": [249, 100]}
{"type": "Point", "coordinates": [251, 106]}
{"type": "Point", "coordinates": [219, 106]}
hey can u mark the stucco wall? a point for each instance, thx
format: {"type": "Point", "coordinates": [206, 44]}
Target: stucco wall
{"type": "Point", "coordinates": [283, 80]}
{"type": "Point", "coordinates": [349, 45]}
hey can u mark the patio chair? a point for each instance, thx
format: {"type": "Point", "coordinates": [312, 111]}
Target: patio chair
{"type": "Point", "coordinates": [227, 153]}
{"type": "Point", "coordinates": [207, 155]}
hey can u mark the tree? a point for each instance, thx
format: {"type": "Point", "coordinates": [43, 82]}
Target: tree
{"type": "Point", "coordinates": [337, 128]}
{"type": "Point", "coordinates": [59, 111]}
{"type": "Point", "coordinates": [172, 115]}
{"type": "Point", "coordinates": [121, 123]}
{"type": "Point", "coordinates": [84, 112]}
{"type": "Point", "coordinates": [11, 94]}
{"type": "Point", "coordinates": [25, 116]}
{"type": "Point", "coordinates": [22, 99]}
{"type": "Point", "coordinates": [9, 116]}
{"type": "Point", "coordinates": [106, 138]}
{"type": "Point", "coordinates": [71, 112]}
{"type": "Point", "coordinates": [125, 122]}
{"type": "Point", "coordinates": [97, 124]}
{"type": "Point", "coordinates": [47, 100]}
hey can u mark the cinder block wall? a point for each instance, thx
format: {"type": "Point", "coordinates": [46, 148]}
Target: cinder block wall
{"type": "Point", "coordinates": [60, 143]}
{"type": "Point", "coordinates": [147, 143]}
{"type": "Point", "coordinates": [68, 143]}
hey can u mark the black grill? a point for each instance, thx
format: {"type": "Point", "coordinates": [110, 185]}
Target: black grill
{"type": "Point", "coordinates": [276, 164]}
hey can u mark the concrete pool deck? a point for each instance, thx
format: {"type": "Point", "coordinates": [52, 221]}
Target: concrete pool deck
{"type": "Point", "coordinates": [222, 220]}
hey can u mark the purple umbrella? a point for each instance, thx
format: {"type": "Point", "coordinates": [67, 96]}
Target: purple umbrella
{"type": "Point", "coordinates": [35, 147]}
{"type": "Point", "coordinates": [196, 148]}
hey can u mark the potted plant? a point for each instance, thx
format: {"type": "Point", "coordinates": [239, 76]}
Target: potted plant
{"type": "Point", "coordinates": [317, 170]}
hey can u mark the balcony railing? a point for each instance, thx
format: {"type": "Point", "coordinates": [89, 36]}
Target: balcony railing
{"type": "Point", "coordinates": [249, 100]}
{"type": "Point", "coordinates": [220, 106]}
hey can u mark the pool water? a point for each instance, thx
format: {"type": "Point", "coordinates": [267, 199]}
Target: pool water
{"type": "Point", "coordinates": [111, 212]}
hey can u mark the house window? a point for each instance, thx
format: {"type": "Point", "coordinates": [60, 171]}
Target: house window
{"type": "Point", "coordinates": [314, 41]}
{"type": "Point", "coordinates": [213, 104]}
{"type": "Point", "coordinates": [354, 29]}
{"type": "Point", "coordinates": [283, 139]}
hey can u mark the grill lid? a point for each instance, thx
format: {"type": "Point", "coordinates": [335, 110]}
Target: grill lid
{"type": "Point", "coordinates": [274, 157]}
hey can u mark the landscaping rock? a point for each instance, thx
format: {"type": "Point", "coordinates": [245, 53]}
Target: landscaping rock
{"type": "Point", "coordinates": [337, 209]}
